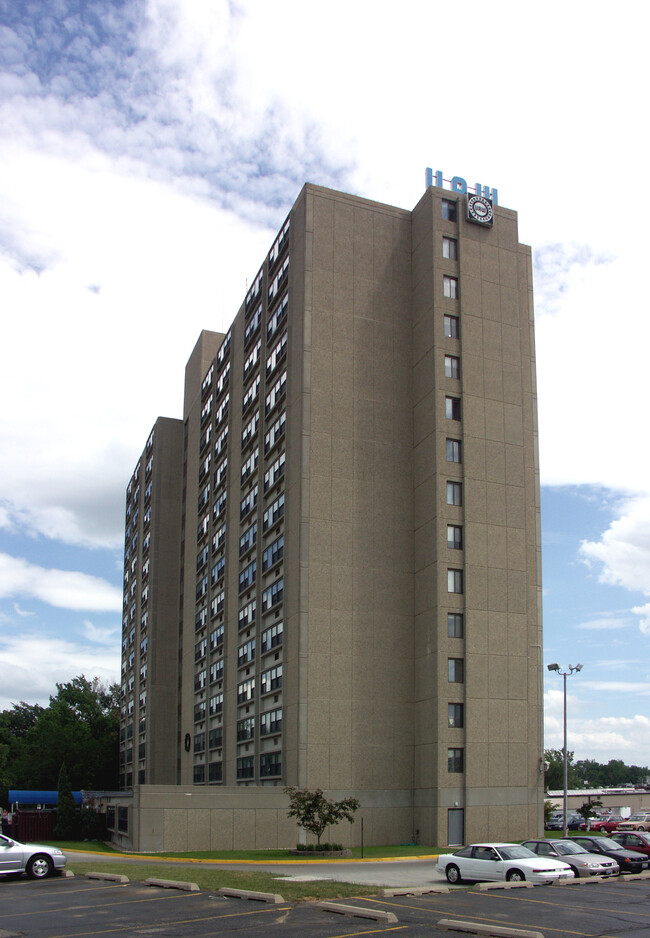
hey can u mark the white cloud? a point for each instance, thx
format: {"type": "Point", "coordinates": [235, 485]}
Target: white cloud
{"type": "Point", "coordinates": [644, 612]}
{"type": "Point", "coordinates": [32, 665]}
{"type": "Point", "coordinates": [601, 737]}
{"type": "Point", "coordinates": [622, 554]}
{"type": "Point", "coordinates": [22, 612]}
{"type": "Point", "coordinates": [604, 624]}
{"type": "Point", "coordinates": [99, 635]}
{"type": "Point", "coordinates": [64, 589]}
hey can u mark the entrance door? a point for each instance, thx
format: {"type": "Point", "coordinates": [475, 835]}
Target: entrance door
{"type": "Point", "coordinates": [455, 827]}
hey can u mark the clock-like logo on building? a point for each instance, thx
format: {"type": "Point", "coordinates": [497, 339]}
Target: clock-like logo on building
{"type": "Point", "coordinates": [480, 210]}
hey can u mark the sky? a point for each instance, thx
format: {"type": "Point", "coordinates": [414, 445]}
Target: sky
{"type": "Point", "coordinates": [149, 152]}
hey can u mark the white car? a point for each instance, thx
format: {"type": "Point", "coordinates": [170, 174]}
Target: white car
{"type": "Point", "coordinates": [37, 860]}
{"type": "Point", "coordinates": [493, 862]}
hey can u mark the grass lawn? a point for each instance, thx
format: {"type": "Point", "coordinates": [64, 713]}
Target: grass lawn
{"type": "Point", "coordinates": [211, 879]}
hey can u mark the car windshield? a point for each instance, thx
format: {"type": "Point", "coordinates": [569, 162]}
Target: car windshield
{"type": "Point", "coordinates": [515, 852]}
{"type": "Point", "coordinates": [565, 848]}
{"type": "Point", "coordinates": [606, 844]}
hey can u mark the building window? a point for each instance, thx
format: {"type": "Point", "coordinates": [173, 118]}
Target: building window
{"type": "Point", "coordinates": [455, 625]}
{"type": "Point", "coordinates": [452, 327]}
{"type": "Point", "coordinates": [449, 210]}
{"type": "Point", "coordinates": [272, 637]}
{"type": "Point", "coordinates": [450, 247]}
{"type": "Point", "coordinates": [199, 774]}
{"type": "Point", "coordinates": [270, 764]}
{"type": "Point", "coordinates": [215, 772]}
{"type": "Point", "coordinates": [454, 536]}
{"type": "Point", "coordinates": [455, 760]}
{"type": "Point", "coordinates": [452, 366]}
{"type": "Point", "coordinates": [456, 670]}
{"type": "Point", "coordinates": [452, 408]}
{"type": "Point", "coordinates": [453, 451]}
{"type": "Point", "coordinates": [245, 767]}
{"type": "Point", "coordinates": [450, 287]}
{"type": "Point", "coordinates": [246, 652]}
{"type": "Point", "coordinates": [454, 581]}
{"type": "Point", "coordinates": [216, 704]}
{"type": "Point", "coordinates": [454, 493]}
{"type": "Point", "coordinates": [455, 715]}
{"type": "Point", "coordinates": [272, 679]}
{"type": "Point", "coordinates": [273, 595]}
{"type": "Point", "coordinates": [271, 722]}
{"type": "Point", "coordinates": [273, 553]}
{"type": "Point", "coordinates": [245, 729]}
{"type": "Point", "coordinates": [246, 690]}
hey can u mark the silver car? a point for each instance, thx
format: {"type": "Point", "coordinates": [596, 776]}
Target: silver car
{"type": "Point", "coordinates": [37, 860]}
{"type": "Point", "coordinates": [580, 860]}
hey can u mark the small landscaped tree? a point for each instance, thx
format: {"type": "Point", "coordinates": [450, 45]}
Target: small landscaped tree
{"type": "Point", "coordinates": [586, 810]}
{"type": "Point", "coordinates": [314, 812]}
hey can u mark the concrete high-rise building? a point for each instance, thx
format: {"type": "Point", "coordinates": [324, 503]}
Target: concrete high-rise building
{"type": "Point", "coordinates": [332, 566]}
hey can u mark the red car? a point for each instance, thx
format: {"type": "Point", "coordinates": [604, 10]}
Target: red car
{"type": "Point", "coordinates": [633, 840]}
{"type": "Point", "coordinates": [608, 822]}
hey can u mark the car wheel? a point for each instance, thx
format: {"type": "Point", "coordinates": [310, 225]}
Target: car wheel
{"type": "Point", "coordinates": [453, 874]}
{"type": "Point", "coordinates": [39, 866]}
{"type": "Point", "coordinates": [515, 876]}
{"type": "Point", "coordinates": [576, 871]}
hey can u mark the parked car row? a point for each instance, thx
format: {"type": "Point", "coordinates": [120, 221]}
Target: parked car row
{"type": "Point", "coordinates": [543, 861]}
{"type": "Point", "coordinates": [608, 822]}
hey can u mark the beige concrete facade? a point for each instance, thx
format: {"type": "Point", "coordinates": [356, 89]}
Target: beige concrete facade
{"type": "Point", "coordinates": [376, 395]}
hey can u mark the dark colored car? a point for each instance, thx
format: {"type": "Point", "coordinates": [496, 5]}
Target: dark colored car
{"type": "Point", "coordinates": [633, 840]}
{"type": "Point", "coordinates": [628, 860]}
{"type": "Point", "coordinates": [556, 822]}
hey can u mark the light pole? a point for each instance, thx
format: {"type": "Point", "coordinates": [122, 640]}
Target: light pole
{"type": "Point", "coordinates": [572, 669]}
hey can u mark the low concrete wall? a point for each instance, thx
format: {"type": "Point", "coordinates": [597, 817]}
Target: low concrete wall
{"type": "Point", "coordinates": [171, 818]}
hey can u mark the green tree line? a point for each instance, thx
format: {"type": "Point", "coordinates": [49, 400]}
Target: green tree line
{"type": "Point", "coordinates": [587, 773]}
{"type": "Point", "coordinates": [79, 727]}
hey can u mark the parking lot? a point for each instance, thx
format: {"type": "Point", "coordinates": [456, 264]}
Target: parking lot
{"type": "Point", "coordinates": [70, 908]}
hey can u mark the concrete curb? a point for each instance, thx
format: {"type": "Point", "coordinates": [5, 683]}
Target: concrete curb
{"type": "Point", "coordinates": [172, 884]}
{"type": "Point", "coordinates": [412, 890]}
{"type": "Point", "coordinates": [483, 887]}
{"type": "Point", "coordinates": [494, 931]}
{"type": "Point", "coordinates": [375, 914]}
{"type": "Point", "coordinates": [66, 874]}
{"type": "Point", "coordinates": [248, 894]}
{"type": "Point", "coordinates": [109, 877]}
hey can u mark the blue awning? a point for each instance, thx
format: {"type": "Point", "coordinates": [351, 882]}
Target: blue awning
{"type": "Point", "coordinates": [38, 797]}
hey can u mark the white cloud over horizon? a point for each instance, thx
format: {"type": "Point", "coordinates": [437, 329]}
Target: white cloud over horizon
{"type": "Point", "coordinates": [65, 589]}
{"type": "Point", "coordinates": [32, 665]}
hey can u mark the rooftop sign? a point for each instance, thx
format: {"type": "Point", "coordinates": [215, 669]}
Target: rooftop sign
{"type": "Point", "coordinates": [459, 185]}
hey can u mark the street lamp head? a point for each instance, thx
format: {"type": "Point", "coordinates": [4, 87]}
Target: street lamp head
{"type": "Point", "coordinates": [554, 667]}
{"type": "Point", "coordinates": [575, 667]}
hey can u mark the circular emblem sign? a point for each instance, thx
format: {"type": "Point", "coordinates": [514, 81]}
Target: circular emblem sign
{"type": "Point", "coordinates": [480, 210]}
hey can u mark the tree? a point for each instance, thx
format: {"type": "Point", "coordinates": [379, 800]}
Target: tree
{"type": "Point", "coordinates": [586, 809]}
{"type": "Point", "coordinates": [314, 812]}
{"type": "Point", "coordinates": [66, 826]}
{"type": "Point", "coordinates": [80, 726]}
{"type": "Point", "coordinates": [549, 810]}
{"type": "Point", "coordinates": [554, 775]}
